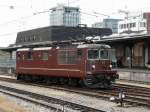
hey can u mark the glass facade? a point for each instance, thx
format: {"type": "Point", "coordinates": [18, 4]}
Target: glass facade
{"type": "Point", "coordinates": [108, 23]}
{"type": "Point", "coordinates": [133, 25]}
{"type": "Point", "coordinates": [64, 16]}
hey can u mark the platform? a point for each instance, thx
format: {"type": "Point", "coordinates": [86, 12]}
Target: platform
{"type": "Point", "coordinates": [133, 83]}
{"type": "Point", "coordinates": [134, 75]}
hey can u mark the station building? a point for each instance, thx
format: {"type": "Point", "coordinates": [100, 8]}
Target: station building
{"type": "Point", "coordinates": [59, 33]}
{"type": "Point", "coordinates": [135, 23]}
{"type": "Point", "coordinates": [132, 51]}
{"type": "Point", "coordinates": [132, 56]}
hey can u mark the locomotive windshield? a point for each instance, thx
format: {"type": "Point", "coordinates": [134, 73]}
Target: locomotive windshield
{"type": "Point", "coordinates": [97, 54]}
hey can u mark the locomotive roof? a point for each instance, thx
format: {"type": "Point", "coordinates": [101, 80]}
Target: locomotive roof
{"type": "Point", "coordinates": [38, 48]}
{"type": "Point", "coordinates": [101, 46]}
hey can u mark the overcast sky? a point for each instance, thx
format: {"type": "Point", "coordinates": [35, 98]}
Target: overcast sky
{"type": "Point", "coordinates": [17, 15]}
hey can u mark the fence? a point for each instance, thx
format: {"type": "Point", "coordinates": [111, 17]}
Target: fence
{"type": "Point", "coordinates": [7, 65]}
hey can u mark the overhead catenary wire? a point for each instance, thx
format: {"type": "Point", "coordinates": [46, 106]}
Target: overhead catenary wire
{"type": "Point", "coordinates": [24, 17]}
{"type": "Point", "coordinates": [37, 13]}
{"type": "Point", "coordinates": [7, 34]}
{"type": "Point", "coordinates": [88, 14]}
{"type": "Point", "coordinates": [34, 14]}
{"type": "Point", "coordinates": [18, 19]}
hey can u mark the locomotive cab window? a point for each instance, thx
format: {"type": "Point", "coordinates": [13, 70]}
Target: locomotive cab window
{"type": "Point", "coordinates": [45, 55]}
{"type": "Point", "coordinates": [97, 54]}
{"type": "Point", "coordinates": [103, 54]}
{"type": "Point", "coordinates": [93, 54]}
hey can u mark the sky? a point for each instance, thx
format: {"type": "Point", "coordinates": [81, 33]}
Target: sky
{"type": "Point", "coordinates": [21, 15]}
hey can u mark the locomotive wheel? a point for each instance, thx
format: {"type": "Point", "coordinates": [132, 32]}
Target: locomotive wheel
{"type": "Point", "coordinates": [93, 82]}
{"type": "Point", "coordinates": [28, 78]}
{"type": "Point", "coordinates": [107, 84]}
{"type": "Point", "coordinates": [63, 81]}
{"type": "Point", "coordinates": [48, 81]}
{"type": "Point", "coordinates": [18, 77]}
{"type": "Point", "coordinates": [90, 82]}
{"type": "Point", "coordinates": [73, 82]}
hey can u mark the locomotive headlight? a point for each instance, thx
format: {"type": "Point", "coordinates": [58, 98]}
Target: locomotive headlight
{"type": "Point", "coordinates": [93, 67]}
{"type": "Point", "coordinates": [110, 65]}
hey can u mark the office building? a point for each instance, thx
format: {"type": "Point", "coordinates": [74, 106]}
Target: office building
{"type": "Point", "coordinates": [108, 23]}
{"type": "Point", "coordinates": [64, 16]}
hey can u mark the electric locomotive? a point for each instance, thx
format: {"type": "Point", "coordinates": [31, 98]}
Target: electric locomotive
{"type": "Point", "coordinates": [74, 64]}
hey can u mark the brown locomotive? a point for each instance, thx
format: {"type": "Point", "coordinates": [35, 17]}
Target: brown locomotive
{"type": "Point", "coordinates": [74, 64]}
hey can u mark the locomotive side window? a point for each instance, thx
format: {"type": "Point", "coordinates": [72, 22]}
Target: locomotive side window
{"type": "Point", "coordinates": [79, 54]}
{"type": "Point", "coordinates": [61, 57]}
{"type": "Point", "coordinates": [93, 54]}
{"type": "Point", "coordinates": [66, 57]}
{"type": "Point", "coordinates": [18, 56]}
{"type": "Point", "coordinates": [29, 56]}
{"type": "Point", "coordinates": [23, 56]}
{"type": "Point", "coordinates": [71, 57]}
{"type": "Point", "coordinates": [45, 55]}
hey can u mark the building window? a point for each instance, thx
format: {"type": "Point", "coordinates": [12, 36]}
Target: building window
{"type": "Point", "coordinates": [34, 38]}
{"type": "Point", "coordinates": [121, 26]}
{"type": "Point", "coordinates": [45, 55]}
{"type": "Point", "coordinates": [125, 26]}
{"type": "Point", "coordinates": [66, 57]}
{"type": "Point", "coordinates": [142, 24]}
{"type": "Point", "coordinates": [24, 39]}
{"type": "Point", "coordinates": [134, 24]}
{"type": "Point", "coordinates": [130, 25]}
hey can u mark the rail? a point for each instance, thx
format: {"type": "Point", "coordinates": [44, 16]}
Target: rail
{"type": "Point", "coordinates": [134, 94]}
{"type": "Point", "coordinates": [47, 99]}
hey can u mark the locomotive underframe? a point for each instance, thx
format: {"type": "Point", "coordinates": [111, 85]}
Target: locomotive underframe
{"type": "Point", "coordinates": [100, 79]}
{"type": "Point", "coordinates": [91, 80]}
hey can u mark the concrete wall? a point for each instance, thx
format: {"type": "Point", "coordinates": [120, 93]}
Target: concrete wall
{"type": "Point", "coordinates": [134, 75]}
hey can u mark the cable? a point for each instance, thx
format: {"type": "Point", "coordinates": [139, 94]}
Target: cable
{"type": "Point", "coordinates": [7, 34]}
{"type": "Point", "coordinates": [88, 14]}
{"type": "Point", "coordinates": [16, 20]}
{"type": "Point", "coordinates": [25, 17]}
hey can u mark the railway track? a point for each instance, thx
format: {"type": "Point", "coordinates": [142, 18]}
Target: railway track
{"type": "Point", "coordinates": [134, 94]}
{"type": "Point", "coordinates": [46, 101]}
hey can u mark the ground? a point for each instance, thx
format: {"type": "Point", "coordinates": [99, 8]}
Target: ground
{"type": "Point", "coordinates": [8, 106]}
